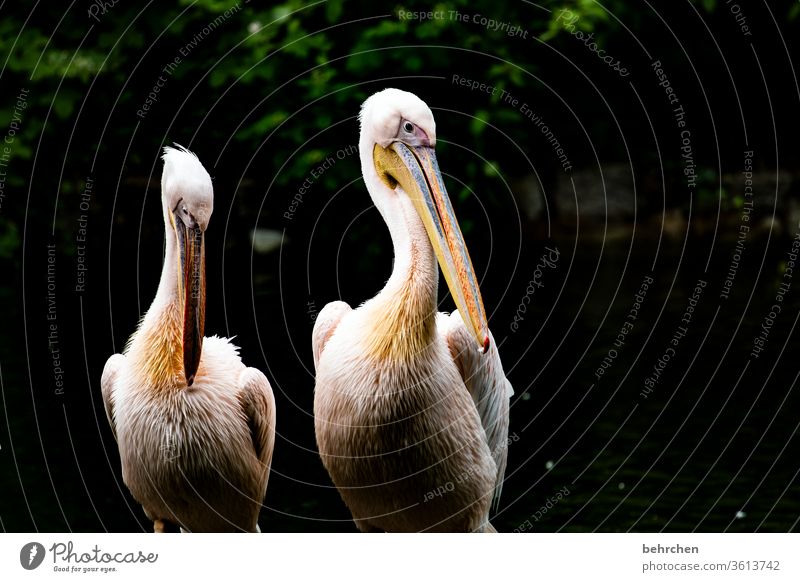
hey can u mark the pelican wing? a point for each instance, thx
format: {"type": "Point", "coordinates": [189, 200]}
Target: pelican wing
{"type": "Point", "coordinates": [327, 322]}
{"type": "Point", "coordinates": [487, 384]}
{"type": "Point", "coordinates": [258, 404]}
{"type": "Point", "coordinates": [110, 373]}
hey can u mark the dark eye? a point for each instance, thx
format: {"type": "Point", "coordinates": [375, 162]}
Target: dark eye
{"type": "Point", "coordinates": [408, 127]}
{"type": "Point", "coordinates": [184, 210]}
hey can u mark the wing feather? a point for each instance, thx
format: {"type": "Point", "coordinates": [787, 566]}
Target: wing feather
{"type": "Point", "coordinates": [258, 403]}
{"type": "Point", "coordinates": [326, 324]}
{"type": "Point", "coordinates": [486, 382]}
{"type": "Point", "coordinates": [109, 378]}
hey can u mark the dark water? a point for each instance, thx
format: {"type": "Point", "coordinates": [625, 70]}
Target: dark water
{"type": "Point", "coordinates": [713, 446]}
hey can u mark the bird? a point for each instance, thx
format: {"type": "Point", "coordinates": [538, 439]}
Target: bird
{"type": "Point", "coordinates": [411, 406]}
{"type": "Point", "coordinates": [195, 427]}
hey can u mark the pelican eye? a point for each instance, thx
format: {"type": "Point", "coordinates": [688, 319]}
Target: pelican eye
{"type": "Point", "coordinates": [408, 127]}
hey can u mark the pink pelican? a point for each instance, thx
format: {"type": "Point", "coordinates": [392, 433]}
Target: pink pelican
{"type": "Point", "coordinates": [195, 427]}
{"type": "Point", "coordinates": [411, 405]}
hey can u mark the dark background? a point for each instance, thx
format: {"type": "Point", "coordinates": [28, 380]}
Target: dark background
{"type": "Point", "coordinates": [268, 92]}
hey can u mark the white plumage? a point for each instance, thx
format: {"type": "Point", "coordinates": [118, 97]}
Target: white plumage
{"type": "Point", "coordinates": [195, 446]}
{"type": "Point", "coordinates": [411, 415]}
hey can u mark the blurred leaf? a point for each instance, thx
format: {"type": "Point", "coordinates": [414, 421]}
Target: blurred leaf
{"type": "Point", "coordinates": [573, 16]}
{"type": "Point", "coordinates": [491, 169]}
{"type": "Point", "coordinates": [709, 5]}
{"type": "Point", "coordinates": [9, 238]}
{"type": "Point", "coordinates": [64, 104]}
{"type": "Point", "coordinates": [263, 126]}
{"type": "Point", "coordinates": [478, 124]}
{"type": "Point", "coordinates": [333, 9]}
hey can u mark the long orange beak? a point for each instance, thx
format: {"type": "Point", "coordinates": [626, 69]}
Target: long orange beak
{"type": "Point", "coordinates": [191, 242]}
{"type": "Point", "coordinates": [417, 172]}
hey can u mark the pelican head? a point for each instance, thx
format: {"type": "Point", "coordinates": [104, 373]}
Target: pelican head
{"type": "Point", "coordinates": [188, 200]}
{"type": "Point", "coordinates": [398, 137]}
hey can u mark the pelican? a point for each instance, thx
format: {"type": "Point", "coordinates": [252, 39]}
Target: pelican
{"type": "Point", "coordinates": [195, 427]}
{"type": "Point", "coordinates": [411, 405]}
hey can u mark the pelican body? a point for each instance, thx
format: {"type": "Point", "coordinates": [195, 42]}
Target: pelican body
{"type": "Point", "coordinates": [195, 427]}
{"type": "Point", "coordinates": [411, 405]}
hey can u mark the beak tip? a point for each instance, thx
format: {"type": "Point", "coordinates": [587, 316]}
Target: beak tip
{"type": "Point", "coordinates": [486, 344]}
{"type": "Point", "coordinates": [190, 380]}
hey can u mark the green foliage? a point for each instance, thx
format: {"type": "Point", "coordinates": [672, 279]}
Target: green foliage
{"type": "Point", "coordinates": [709, 194]}
{"type": "Point", "coordinates": [708, 5]}
{"type": "Point", "coordinates": [9, 238]}
{"type": "Point", "coordinates": [290, 72]}
{"type": "Point", "coordinates": [276, 59]}
{"type": "Point", "coordinates": [584, 15]}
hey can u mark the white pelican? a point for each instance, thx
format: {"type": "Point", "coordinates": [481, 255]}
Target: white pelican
{"type": "Point", "coordinates": [411, 406]}
{"type": "Point", "coordinates": [195, 427]}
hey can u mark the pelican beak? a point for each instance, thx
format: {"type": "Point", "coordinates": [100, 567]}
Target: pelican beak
{"type": "Point", "coordinates": [416, 170]}
{"type": "Point", "coordinates": [192, 286]}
